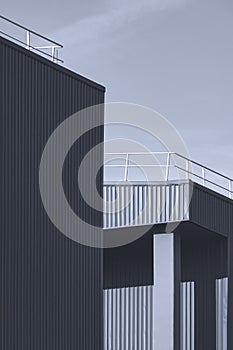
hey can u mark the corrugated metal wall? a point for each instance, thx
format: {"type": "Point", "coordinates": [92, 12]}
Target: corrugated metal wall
{"type": "Point", "coordinates": [203, 260]}
{"type": "Point", "coordinates": [230, 292]}
{"type": "Point", "coordinates": [221, 313]}
{"type": "Point", "coordinates": [128, 205]}
{"type": "Point", "coordinates": [128, 318]}
{"type": "Point", "coordinates": [50, 287]}
{"type": "Point", "coordinates": [187, 315]}
{"type": "Point", "coordinates": [142, 204]}
{"type": "Point", "coordinates": [211, 210]}
{"type": "Point", "coordinates": [143, 317]}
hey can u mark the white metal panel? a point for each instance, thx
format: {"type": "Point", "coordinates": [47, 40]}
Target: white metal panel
{"type": "Point", "coordinates": [128, 205]}
{"type": "Point", "coordinates": [128, 317]}
{"type": "Point", "coordinates": [221, 313]}
{"type": "Point", "coordinates": [187, 315]}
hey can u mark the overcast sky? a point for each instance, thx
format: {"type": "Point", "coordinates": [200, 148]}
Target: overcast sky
{"type": "Point", "coordinates": [175, 56]}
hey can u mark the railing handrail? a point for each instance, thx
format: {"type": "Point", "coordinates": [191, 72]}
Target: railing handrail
{"type": "Point", "coordinates": [168, 165]}
{"type": "Point", "coordinates": [203, 166]}
{"type": "Point", "coordinates": [31, 31]}
{"type": "Point", "coordinates": [27, 44]}
{"type": "Point", "coordinates": [138, 153]}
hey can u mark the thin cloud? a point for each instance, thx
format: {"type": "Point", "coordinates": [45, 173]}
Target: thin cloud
{"type": "Point", "coordinates": [85, 31]}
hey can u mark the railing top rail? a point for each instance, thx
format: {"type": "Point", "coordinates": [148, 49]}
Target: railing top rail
{"type": "Point", "coordinates": [165, 153]}
{"type": "Point", "coordinates": [34, 48]}
{"type": "Point", "coordinates": [50, 44]}
{"type": "Point", "coordinates": [205, 171]}
{"type": "Point", "coordinates": [31, 31]}
{"type": "Point", "coordinates": [137, 153]}
{"type": "Point", "coordinates": [203, 166]}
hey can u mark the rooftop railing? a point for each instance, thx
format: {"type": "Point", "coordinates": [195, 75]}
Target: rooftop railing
{"type": "Point", "coordinates": [173, 167]}
{"type": "Point", "coordinates": [30, 39]}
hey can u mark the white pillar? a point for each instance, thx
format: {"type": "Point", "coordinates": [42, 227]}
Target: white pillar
{"type": "Point", "coordinates": [163, 292]}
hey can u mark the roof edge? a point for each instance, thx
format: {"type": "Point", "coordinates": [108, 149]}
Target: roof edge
{"type": "Point", "coordinates": [54, 65]}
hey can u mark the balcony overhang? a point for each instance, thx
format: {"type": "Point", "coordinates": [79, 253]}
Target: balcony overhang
{"type": "Point", "coordinates": [147, 204]}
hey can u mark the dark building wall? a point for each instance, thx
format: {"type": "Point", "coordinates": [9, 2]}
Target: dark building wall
{"type": "Point", "coordinates": [230, 292]}
{"type": "Point", "coordinates": [199, 255]}
{"type": "Point", "coordinates": [50, 286]}
{"type": "Point", "coordinates": [129, 265]}
{"type": "Point", "coordinates": [211, 210]}
{"type": "Point", "coordinates": [215, 212]}
{"type": "Point", "coordinates": [203, 260]}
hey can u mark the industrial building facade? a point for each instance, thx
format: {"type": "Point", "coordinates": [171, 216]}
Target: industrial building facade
{"type": "Point", "coordinates": [163, 291]}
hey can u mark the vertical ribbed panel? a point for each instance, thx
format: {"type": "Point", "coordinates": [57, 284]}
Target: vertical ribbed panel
{"type": "Point", "coordinates": [187, 316]}
{"type": "Point", "coordinates": [210, 209]}
{"type": "Point", "coordinates": [128, 205]}
{"type": "Point", "coordinates": [204, 259]}
{"type": "Point", "coordinates": [128, 318]}
{"type": "Point", "coordinates": [221, 313]}
{"type": "Point", "coordinates": [50, 287]}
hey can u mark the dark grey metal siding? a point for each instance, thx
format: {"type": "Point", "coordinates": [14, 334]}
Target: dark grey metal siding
{"type": "Point", "coordinates": [200, 256]}
{"type": "Point", "coordinates": [230, 291]}
{"type": "Point", "coordinates": [50, 286]}
{"type": "Point", "coordinates": [203, 260]}
{"type": "Point", "coordinates": [211, 210]}
{"type": "Point", "coordinates": [215, 212]}
{"type": "Point", "coordinates": [130, 265]}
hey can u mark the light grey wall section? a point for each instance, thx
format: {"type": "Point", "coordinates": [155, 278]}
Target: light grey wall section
{"type": "Point", "coordinates": [128, 318]}
{"type": "Point", "coordinates": [187, 315]}
{"type": "Point", "coordinates": [143, 204]}
{"type": "Point", "coordinates": [221, 313]}
{"type": "Point", "coordinates": [164, 291]}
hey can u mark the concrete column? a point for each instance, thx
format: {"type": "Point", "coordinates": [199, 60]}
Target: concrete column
{"type": "Point", "coordinates": [164, 292]}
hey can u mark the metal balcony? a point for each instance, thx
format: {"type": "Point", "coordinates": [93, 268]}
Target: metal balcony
{"type": "Point", "coordinates": [157, 187]}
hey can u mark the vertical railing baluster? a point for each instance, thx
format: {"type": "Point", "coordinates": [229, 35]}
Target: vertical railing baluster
{"type": "Point", "coordinates": [28, 40]}
{"type": "Point", "coordinates": [187, 168]}
{"type": "Point", "coordinates": [126, 167]}
{"type": "Point", "coordinates": [230, 188]}
{"type": "Point", "coordinates": [53, 53]}
{"type": "Point", "coordinates": [167, 167]}
{"type": "Point", "coordinates": [203, 176]}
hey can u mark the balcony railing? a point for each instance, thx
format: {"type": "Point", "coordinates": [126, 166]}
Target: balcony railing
{"type": "Point", "coordinates": [173, 167]}
{"type": "Point", "coordinates": [30, 39]}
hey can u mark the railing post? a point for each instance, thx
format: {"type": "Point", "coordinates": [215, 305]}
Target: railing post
{"type": "Point", "coordinates": [167, 167]}
{"type": "Point", "coordinates": [126, 167]}
{"type": "Point", "coordinates": [187, 168]}
{"type": "Point", "coordinates": [230, 188]}
{"type": "Point", "coordinates": [203, 176]}
{"type": "Point", "coordinates": [28, 40]}
{"type": "Point", "coordinates": [53, 53]}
